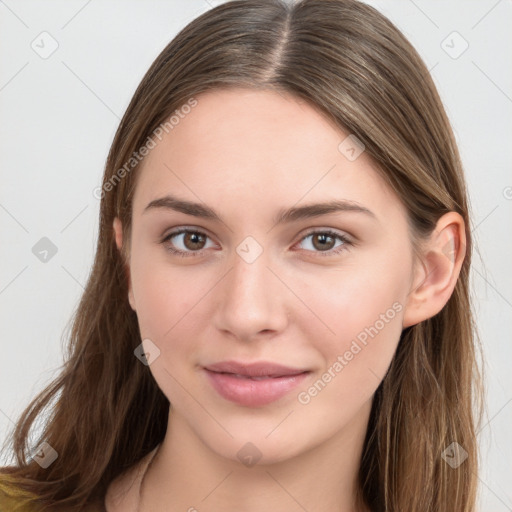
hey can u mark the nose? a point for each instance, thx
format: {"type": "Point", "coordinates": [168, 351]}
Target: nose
{"type": "Point", "coordinates": [251, 300]}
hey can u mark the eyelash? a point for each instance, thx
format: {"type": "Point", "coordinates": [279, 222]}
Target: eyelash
{"type": "Point", "coordinates": [185, 254]}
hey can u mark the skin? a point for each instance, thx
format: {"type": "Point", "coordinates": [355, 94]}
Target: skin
{"type": "Point", "coordinates": [248, 154]}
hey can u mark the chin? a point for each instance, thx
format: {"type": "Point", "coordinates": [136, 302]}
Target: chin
{"type": "Point", "coordinates": [251, 447]}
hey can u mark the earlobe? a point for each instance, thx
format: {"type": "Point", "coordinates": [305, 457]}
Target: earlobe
{"type": "Point", "coordinates": [118, 233]}
{"type": "Point", "coordinates": [440, 267]}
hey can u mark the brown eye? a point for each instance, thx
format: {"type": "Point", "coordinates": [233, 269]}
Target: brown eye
{"type": "Point", "coordinates": [194, 241]}
{"type": "Point", "coordinates": [185, 242]}
{"type": "Point", "coordinates": [325, 243]}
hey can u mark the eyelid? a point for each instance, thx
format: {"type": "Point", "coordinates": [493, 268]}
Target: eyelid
{"type": "Point", "coordinates": [179, 231]}
{"type": "Point", "coordinates": [346, 239]}
{"type": "Point", "coordinates": [333, 233]}
{"type": "Point", "coordinates": [320, 229]}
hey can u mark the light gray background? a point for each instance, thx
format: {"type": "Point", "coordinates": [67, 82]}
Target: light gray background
{"type": "Point", "coordinates": [58, 118]}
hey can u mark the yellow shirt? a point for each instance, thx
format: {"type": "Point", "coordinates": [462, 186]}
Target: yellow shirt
{"type": "Point", "coordinates": [15, 499]}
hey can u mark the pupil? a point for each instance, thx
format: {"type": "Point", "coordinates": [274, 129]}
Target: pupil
{"type": "Point", "coordinates": [323, 241]}
{"type": "Point", "coordinates": [196, 239]}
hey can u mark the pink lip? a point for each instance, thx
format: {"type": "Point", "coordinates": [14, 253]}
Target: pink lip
{"type": "Point", "coordinates": [259, 369]}
{"type": "Point", "coordinates": [234, 382]}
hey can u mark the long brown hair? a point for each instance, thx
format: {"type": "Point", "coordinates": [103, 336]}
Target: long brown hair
{"type": "Point", "coordinates": [105, 409]}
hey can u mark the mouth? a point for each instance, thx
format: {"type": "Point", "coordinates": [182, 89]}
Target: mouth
{"type": "Point", "coordinates": [238, 376]}
{"type": "Point", "coordinates": [257, 369]}
{"type": "Point", "coordinates": [253, 385]}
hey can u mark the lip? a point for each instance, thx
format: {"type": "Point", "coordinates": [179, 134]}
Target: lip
{"type": "Point", "coordinates": [255, 384]}
{"type": "Point", "coordinates": [258, 369]}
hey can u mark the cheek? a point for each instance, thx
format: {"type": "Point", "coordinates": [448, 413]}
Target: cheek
{"type": "Point", "coordinates": [167, 298]}
{"type": "Point", "coordinates": [169, 303]}
{"type": "Point", "coordinates": [367, 326]}
{"type": "Point", "coordinates": [360, 312]}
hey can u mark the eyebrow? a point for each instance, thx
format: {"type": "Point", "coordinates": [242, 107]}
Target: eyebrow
{"type": "Point", "coordinates": [292, 214]}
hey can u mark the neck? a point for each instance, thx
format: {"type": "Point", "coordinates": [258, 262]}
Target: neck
{"type": "Point", "coordinates": [187, 475]}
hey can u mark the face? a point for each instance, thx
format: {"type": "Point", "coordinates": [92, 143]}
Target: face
{"type": "Point", "coordinates": [323, 293]}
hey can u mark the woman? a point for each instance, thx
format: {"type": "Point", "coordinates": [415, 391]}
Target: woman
{"type": "Point", "coordinates": [278, 313]}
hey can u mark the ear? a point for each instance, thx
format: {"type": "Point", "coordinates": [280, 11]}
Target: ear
{"type": "Point", "coordinates": [118, 233]}
{"type": "Point", "coordinates": [442, 260]}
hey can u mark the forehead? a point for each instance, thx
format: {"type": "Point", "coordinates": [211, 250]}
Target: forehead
{"type": "Point", "coordinates": [261, 150]}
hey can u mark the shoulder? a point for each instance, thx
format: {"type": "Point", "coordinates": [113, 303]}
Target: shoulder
{"type": "Point", "coordinates": [13, 497]}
